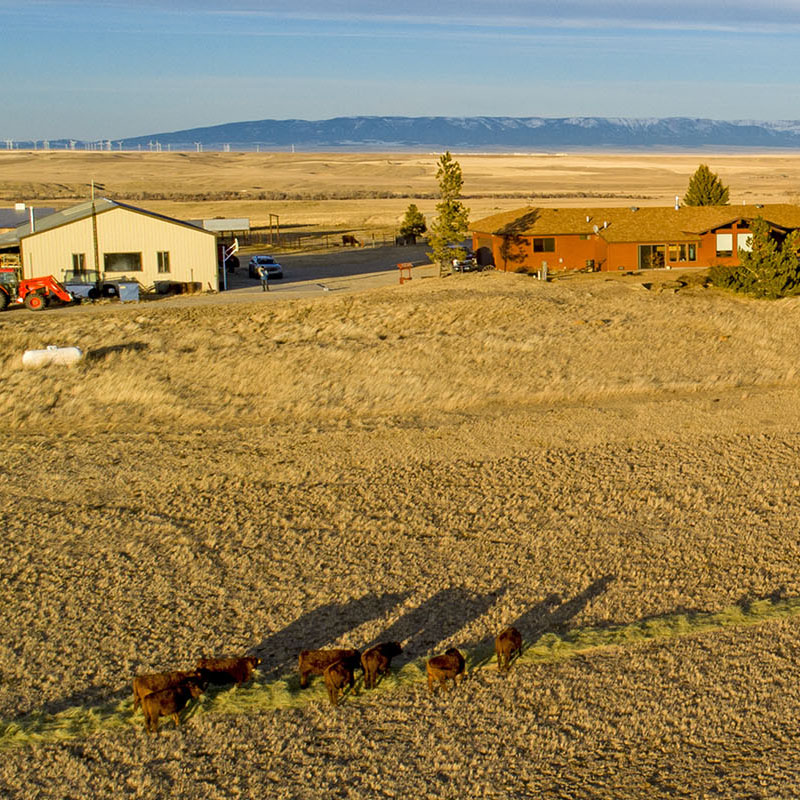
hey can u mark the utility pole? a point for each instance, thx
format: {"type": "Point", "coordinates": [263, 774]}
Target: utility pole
{"type": "Point", "coordinates": [94, 234]}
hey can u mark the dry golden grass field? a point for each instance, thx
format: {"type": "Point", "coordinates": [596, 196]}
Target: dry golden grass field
{"type": "Point", "coordinates": [612, 469]}
{"type": "Point", "coordinates": [372, 191]}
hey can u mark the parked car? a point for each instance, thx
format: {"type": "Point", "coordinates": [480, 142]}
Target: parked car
{"type": "Point", "coordinates": [467, 263]}
{"type": "Point", "coordinates": [274, 269]}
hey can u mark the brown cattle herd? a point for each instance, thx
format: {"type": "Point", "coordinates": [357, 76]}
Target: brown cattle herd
{"type": "Point", "coordinates": [166, 694]}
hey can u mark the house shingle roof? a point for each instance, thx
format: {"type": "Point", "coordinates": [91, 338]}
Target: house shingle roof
{"type": "Point", "coordinates": [657, 224]}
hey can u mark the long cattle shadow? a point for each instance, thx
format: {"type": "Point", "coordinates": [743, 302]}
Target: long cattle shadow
{"type": "Point", "coordinates": [320, 627]}
{"type": "Point", "coordinates": [437, 619]}
{"type": "Point", "coordinates": [91, 695]}
{"type": "Point", "coordinates": [550, 616]}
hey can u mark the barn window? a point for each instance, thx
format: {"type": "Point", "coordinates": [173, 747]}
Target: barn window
{"type": "Point", "coordinates": [724, 244]}
{"type": "Point", "coordinates": [744, 241]}
{"type": "Point", "coordinates": [547, 245]}
{"type": "Point", "coordinates": [123, 262]}
{"type": "Point", "coordinates": [163, 260]}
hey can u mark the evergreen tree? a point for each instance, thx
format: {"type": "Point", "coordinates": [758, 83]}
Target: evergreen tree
{"type": "Point", "coordinates": [706, 189]}
{"type": "Point", "coordinates": [451, 225]}
{"type": "Point", "coordinates": [770, 269]}
{"type": "Point", "coordinates": [413, 224]}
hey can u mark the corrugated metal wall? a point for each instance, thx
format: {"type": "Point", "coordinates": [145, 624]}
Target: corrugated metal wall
{"type": "Point", "coordinates": [192, 253]}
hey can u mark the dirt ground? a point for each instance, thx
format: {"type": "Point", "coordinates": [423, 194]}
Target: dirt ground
{"type": "Point", "coordinates": [427, 463]}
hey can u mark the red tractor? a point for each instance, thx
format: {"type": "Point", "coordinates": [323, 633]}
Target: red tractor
{"type": "Point", "coordinates": [33, 293]}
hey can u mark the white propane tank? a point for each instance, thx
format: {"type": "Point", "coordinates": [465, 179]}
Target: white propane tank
{"type": "Point", "coordinates": [52, 354]}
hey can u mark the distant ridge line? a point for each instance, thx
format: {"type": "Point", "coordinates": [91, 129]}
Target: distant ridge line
{"type": "Point", "coordinates": [469, 134]}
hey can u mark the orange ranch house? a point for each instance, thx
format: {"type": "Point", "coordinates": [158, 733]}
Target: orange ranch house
{"type": "Point", "coordinates": [623, 238]}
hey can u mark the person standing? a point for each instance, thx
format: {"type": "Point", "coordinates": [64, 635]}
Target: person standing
{"type": "Point", "coordinates": [264, 275]}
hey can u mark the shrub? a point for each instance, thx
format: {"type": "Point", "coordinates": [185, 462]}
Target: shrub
{"type": "Point", "coordinates": [723, 277]}
{"type": "Point", "coordinates": [771, 269]}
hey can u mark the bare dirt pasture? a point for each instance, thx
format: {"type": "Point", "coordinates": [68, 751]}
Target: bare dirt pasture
{"type": "Point", "coordinates": [426, 463]}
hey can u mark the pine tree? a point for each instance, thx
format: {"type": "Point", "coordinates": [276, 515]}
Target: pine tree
{"type": "Point", "coordinates": [770, 270]}
{"type": "Point", "coordinates": [451, 225]}
{"type": "Point", "coordinates": [706, 189]}
{"type": "Point", "coordinates": [413, 224]}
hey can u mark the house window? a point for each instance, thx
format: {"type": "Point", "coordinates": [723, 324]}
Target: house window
{"type": "Point", "coordinates": [78, 263]}
{"type": "Point", "coordinates": [744, 241]}
{"type": "Point", "coordinates": [651, 256]}
{"type": "Point", "coordinates": [682, 252]}
{"type": "Point", "coordinates": [544, 245]}
{"type": "Point", "coordinates": [724, 245]}
{"type": "Point", "coordinates": [123, 262]}
{"type": "Point", "coordinates": [163, 260]}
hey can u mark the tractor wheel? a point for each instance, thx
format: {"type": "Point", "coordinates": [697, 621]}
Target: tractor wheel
{"type": "Point", "coordinates": [34, 301]}
{"type": "Point", "coordinates": [4, 300]}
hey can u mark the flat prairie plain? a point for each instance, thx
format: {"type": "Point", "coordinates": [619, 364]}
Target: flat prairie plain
{"type": "Point", "coordinates": [372, 191]}
{"type": "Point", "coordinates": [427, 463]}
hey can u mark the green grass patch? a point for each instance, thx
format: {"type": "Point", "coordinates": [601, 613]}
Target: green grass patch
{"type": "Point", "coordinates": [80, 722]}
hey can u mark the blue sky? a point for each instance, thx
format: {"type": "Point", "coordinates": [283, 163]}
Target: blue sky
{"type": "Point", "coordinates": [104, 69]}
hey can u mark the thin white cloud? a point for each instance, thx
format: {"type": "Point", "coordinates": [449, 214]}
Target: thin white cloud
{"type": "Point", "coordinates": [742, 16]}
{"type": "Point", "coordinates": [505, 26]}
{"type": "Point", "coordinates": [716, 15]}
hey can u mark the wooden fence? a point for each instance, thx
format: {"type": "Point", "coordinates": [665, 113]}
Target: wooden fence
{"type": "Point", "coordinates": [317, 241]}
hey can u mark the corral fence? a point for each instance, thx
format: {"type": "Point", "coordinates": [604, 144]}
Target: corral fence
{"type": "Point", "coordinates": [322, 241]}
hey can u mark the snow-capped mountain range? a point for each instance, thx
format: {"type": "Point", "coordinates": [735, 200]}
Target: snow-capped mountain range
{"type": "Point", "coordinates": [500, 134]}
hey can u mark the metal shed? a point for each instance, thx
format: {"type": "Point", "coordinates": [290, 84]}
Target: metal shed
{"type": "Point", "coordinates": [120, 241]}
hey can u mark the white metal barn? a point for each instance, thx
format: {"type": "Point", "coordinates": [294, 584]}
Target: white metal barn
{"type": "Point", "coordinates": [119, 241]}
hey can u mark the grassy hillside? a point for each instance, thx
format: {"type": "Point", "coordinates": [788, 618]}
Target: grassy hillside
{"type": "Point", "coordinates": [612, 469]}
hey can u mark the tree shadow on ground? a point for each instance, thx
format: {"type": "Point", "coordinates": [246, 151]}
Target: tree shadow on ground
{"type": "Point", "coordinates": [437, 619]}
{"type": "Point", "coordinates": [319, 628]}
